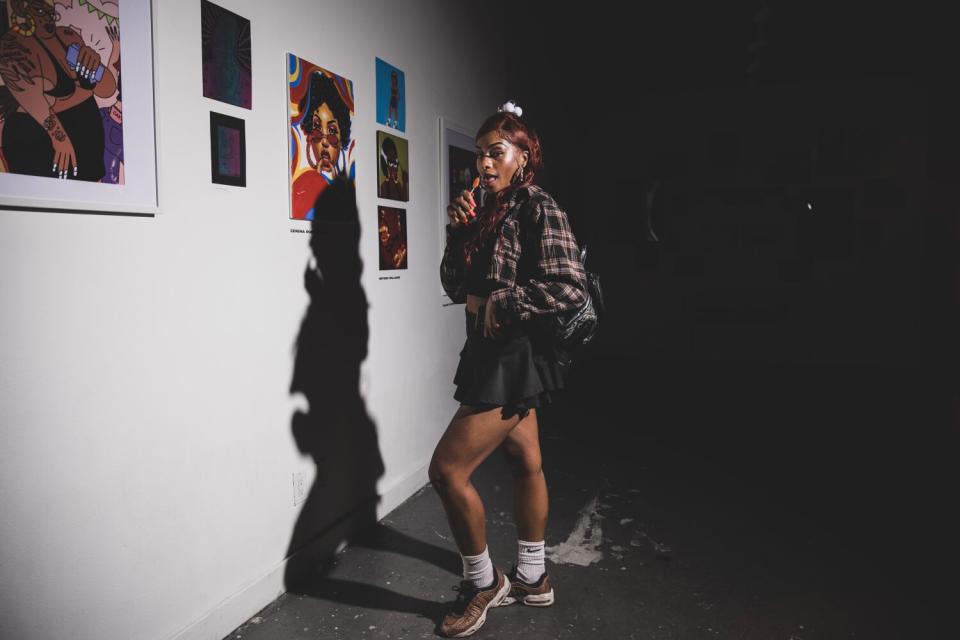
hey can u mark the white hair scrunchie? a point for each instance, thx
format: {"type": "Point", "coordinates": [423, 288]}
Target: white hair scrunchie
{"type": "Point", "coordinates": [510, 107]}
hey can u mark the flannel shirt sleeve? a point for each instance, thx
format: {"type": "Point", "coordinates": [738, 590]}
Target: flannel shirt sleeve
{"type": "Point", "coordinates": [557, 280]}
{"type": "Point", "coordinates": [453, 270]}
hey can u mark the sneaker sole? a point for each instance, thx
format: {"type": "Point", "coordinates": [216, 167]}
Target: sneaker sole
{"type": "Point", "coordinates": [533, 600]}
{"type": "Point", "coordinates": [497, 599]}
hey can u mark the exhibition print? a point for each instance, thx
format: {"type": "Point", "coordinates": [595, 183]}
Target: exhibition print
{"type": "Point", "coordinates": [393, 174]}
{"type": "Point", "coordinates": [321, 109]}
{"type": "Point", "coordinates": [226, 55]}
{"type": "Point", "coordinates": [392, 226]}
{"type": "Point", "coordinates": [61, 103]}
{"type": "Point", "coordinates": [391, 96]}
{"type": "Point", "coordinates": [228, 150]}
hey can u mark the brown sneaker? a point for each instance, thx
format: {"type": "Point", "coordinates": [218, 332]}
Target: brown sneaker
{"type": "Point", "coordinates": [538, 594]}
{"type": "Point", "coordinates": [470, 609]}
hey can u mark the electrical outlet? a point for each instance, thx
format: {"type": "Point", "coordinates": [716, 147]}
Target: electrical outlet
{"type": "Point", "coordinates": [299, 488]}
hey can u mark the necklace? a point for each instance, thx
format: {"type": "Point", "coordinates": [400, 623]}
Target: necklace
{"type": "Point", "coordinates": [19, 28]}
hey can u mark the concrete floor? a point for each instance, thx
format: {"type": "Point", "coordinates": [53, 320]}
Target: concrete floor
{"type": "Point", "coordinates": [652, 537]}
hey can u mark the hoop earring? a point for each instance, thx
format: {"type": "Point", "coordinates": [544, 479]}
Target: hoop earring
{"type": "Point", "coordinates": [518, 176]}
{"type": "Point", "coordinates": [19, 21]}
{"type": "Point", "coordinates": [310, 159]}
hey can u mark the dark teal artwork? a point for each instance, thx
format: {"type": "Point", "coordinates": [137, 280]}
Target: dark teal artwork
{"type": "Point", "coordinates": [227, 74]}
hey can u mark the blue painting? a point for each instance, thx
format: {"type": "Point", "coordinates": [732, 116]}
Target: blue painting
{"type": "Point", "coordinates": [391, 96]}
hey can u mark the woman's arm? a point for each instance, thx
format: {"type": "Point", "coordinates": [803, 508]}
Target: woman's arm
{"type": "Point", "coordinates": [22, 75]}
{"type": "Point", "coordinates": [88, 61]}
{"type": "Point", "coordinates": [113, 33]}
{"type": "Point", "coordinates": [453, 268]}
{"type": "Point", "coordinates": [557, 279]}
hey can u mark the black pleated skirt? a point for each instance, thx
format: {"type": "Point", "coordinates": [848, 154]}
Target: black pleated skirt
{"type": "Point", "coordinates": [517, 370]}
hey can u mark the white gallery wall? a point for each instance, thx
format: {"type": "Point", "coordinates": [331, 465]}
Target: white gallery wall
{"type": "Point", "coordinates": [146, 451]}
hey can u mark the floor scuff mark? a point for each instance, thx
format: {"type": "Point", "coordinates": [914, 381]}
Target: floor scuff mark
{"type": "Point", "coordinates": [582, 547]}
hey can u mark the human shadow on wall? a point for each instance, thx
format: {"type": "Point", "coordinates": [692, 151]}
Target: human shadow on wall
{"type": "Point", "coordinates": [335, 428]}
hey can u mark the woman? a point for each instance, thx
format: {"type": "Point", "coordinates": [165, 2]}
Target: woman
{"type": "Point", "coordinates": [513, 261]}
{"type": "Point", "coordinates": [326, 129]}
{"type": "Point", "coordinates": [327, 125]}
{"type": "Point", "coordinates": [52, 125]}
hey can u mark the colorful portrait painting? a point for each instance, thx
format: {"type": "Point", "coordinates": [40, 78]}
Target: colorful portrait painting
{"type": "Point", "coordinates": [391, 96]}
{"type": "Point", "coordinates": [392, 226]}
{"type": "Point", "coordinates": [393, 174]}
{"type": "Point", "coordinates": [61, 103]}
{"type": "Point", "coordinates": [225, 40]}
{"type": "Point", "coordinates": [321, 109]}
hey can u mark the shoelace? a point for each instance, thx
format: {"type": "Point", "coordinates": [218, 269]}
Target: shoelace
{"type": "Point", "coordinates": [465, 594]}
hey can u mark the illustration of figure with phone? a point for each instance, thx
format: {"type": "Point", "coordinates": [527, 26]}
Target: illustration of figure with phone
{"type": "Point", "coordinates": [51, 121]}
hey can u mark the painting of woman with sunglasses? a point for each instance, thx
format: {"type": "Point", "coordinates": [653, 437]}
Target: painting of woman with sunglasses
{"type": "Point", "coordinates": [321, 147]}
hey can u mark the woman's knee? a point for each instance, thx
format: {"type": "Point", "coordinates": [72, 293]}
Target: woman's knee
{"type": "Point", "coordinates": [523, 461]}
{"type": "Point", "coordinates": [444, 476]}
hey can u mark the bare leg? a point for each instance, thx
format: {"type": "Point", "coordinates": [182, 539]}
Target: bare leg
{"type": "Point", "coordinates": [471, 436]}
{"type": "Point", "coordinates": [530, 503]}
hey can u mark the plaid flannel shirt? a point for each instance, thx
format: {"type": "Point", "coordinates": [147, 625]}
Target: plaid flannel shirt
{"type": "Point", "coordinates": [536, 263]}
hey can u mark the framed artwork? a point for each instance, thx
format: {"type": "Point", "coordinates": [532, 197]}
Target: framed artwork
{"type": "Point", "coordinates": [392, 228]}
{"type": "Point", "coordinates": [391, 96]}
{"type": "Point", "coordinates": [320, 113]}
{"type": "Point", "coordinates": [94, 148]}
{"type": "Point", "coordinates": [228, 150]}
{"type": "Point", "coordinates": [225, 38]}
{"type": "Point", "coordinates": [458, 168]}
{"type": "Point", "coordinates": [393, 172]}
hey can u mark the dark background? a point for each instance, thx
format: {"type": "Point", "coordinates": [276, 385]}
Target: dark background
{"type": "Point", "coordinates": [792, 324]}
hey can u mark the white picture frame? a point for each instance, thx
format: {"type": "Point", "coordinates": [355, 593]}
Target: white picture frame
{"type": "Point", "coordinates": [138, 195]}
{"type": "Point", "coordinates": [459, 136]}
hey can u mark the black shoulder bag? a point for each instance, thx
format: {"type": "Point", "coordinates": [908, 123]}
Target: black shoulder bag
{"type": "Point", "coordinates": [572, 330]}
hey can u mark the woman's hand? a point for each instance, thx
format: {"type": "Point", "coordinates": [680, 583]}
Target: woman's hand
{"type": "Point", "coordinates": [491, 328]}
{"type": "Point", "coordinates": [88, 61]}
{"type": "Point", "coordinates": [64, 157]}
{"type": "Point", "coordinates": [113, 33]}
{"type": "Point", "coordinates": [462, 210]}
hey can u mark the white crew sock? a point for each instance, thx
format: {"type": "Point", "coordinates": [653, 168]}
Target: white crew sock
{"type": "Point", "coordinates": [530, 561]}
{"type": "Point", "coordinates": [478, 569]}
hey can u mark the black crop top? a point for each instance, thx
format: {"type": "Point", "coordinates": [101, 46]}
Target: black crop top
{"type": "Point", "coordinates": [64, 87]}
